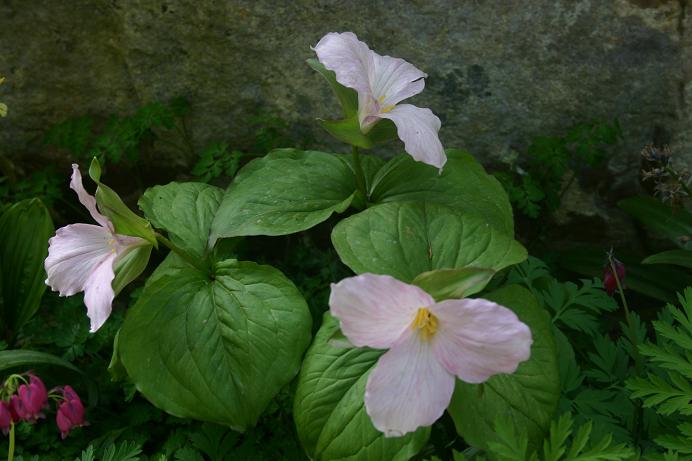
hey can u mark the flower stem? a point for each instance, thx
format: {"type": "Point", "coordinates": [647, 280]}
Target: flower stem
{"type": "Point", "coordinates": [182, 253]}
{"type": "Point", "coordinates": [360, 176]}
{"type": "Point", "coordinates": [10, 452]}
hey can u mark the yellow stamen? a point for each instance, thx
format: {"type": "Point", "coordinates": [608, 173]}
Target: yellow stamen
{"type": "Point", "coordinates": [380, 99]}
{"type": "Point", "coordinates": [425, 322]}
{"type": "Point", "coordinates": [387, 109]}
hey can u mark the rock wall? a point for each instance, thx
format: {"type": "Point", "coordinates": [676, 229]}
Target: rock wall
{"type": "Point", "coordinates": [500, 71]}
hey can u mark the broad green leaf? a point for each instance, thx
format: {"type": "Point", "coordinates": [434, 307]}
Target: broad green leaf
{"type": "Point", "coordinates": [348, 98]}
{"type": "Point", "coordinates": [463, 185]}
{"type": "Point", "coordinates": [527, 397]}
{"type": "Point", "coordinates": [329, 411]}
{"type": "Point", "coordinates": [676, 257]}
{"type": "Point", "coordinates": [25, 228]}
{"type": "Point", "coordinates": [23, 358]}
{"type": "Point", "coordinates": [185, 211]}
{"type": "Point", "coordinates": [672, 223]}
{"type": "Point", "coordinates": [285, 192]}
{"type": "Point", "coordinates": [215, 349]}
{"type": "Point", "coordinates": [444, 284]}
{"type": "Point", "coordinates": [124, 220]}
{"type": "Point", "coordinates": [405, 239]}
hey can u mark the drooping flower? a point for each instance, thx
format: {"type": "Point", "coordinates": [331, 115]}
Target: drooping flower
{"type": "Point", "coordinates": [70, 413]}
{"type": "Point", "coordinates": [7, 416]}
{"type": "Point", "coordinates": [609, 281]}
{"type": "Point", "coordinates": [31, 399]}
{"type": "Point", "coordinates": [430, 344]}
{"type": "Point", "coordinates": [381, 83]}
{"type": "Point", "coordinates": [81, 257]}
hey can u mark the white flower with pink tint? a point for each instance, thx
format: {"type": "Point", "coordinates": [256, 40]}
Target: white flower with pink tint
{"type": "Point", "coordinates": [381, 83]}
{"type": "Point", "coordinates": [430, 345]}
{"type": "Point", "coordinates": [81, 257]}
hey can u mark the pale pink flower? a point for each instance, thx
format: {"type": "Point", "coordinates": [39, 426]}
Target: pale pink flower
{"type": "Point", "coordinates": [381, 83]}
{"type": "Point", "coordinates": [81, 257]}
{"type": "Point", "coordinates": [430, 345]}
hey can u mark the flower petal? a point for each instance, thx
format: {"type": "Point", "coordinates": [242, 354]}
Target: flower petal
{"type": "Point", "coordinates": [87, 199]}
{"type": "Point", "coordinates": [74, 253]}
{"type": "Point", "coordinates": [98, 293]}
{"type": "Point", "coordinates": [477, 338]}
{"type": "Point", "coordinates": [393, 80]}
{"type": "Point", "coordinates": [408, 388]}
{"type": "Point", "coordinates": [349, 58]}
{"type": "Point", "coordinates": [374, 310]}
{"type": "Point", "coordinates": [417, 127]}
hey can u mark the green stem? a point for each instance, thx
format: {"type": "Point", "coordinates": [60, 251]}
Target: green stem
{"type": "Point", "coordinates": [638, 413]}
{"type": "Point", "coordinates": [360, 176]}
{"type": "Point", "coordinates": [10, 452]}
{"type": "Point", "coordinates": [182, 253]}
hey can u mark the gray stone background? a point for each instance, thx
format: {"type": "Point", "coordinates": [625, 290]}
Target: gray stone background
{"type": "Point", "coordinates": [500, 71]}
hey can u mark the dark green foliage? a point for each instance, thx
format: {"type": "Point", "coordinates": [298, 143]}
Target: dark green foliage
{"type": "Point", "coordinates": [536, 182]}
{"type": "Point", "coordinates": [119, 137]}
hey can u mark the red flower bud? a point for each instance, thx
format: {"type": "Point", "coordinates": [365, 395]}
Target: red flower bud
{"type": "Point", "coordinates": [609, 281]}
{"type": "Point", "coordinates": [70, 412]}
{"type": "Point", "coordinates": [31, 399]}
{"type": "Point", "coordinates": [7, 416]}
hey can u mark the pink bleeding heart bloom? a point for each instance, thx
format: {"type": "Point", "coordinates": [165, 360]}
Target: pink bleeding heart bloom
{"type": "Point", "coordinates": [31, 399]}
{"type": "Point", "coordinates": [430, 344]}
{"type": "Point", "coordinates": [609, 282]}
{"type": "Point", "coordinates": [81, 257]}
{"type": "Point", "coordinates": [381, 83]}
{"type": "Point", "coordinates": [70, 413]}
{"type": "Point", "coordinates": [8, 416]}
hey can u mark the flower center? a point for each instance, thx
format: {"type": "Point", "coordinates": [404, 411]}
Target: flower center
{"type": "Point", "coordinates": [425, 322]}
{"type": "Point", "coordinates": [385, 109]}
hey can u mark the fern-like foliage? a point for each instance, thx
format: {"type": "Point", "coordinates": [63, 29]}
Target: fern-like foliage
{"type": "Point", "coordinates": [124, 451]}
{"type": "Point", "coordinates": [668, 387]}
{"type": "Point", "coordinates": [562, 444]}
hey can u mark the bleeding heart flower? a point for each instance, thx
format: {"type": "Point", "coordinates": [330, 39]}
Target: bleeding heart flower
{"type": "Point", "coordinates": [81, 257]}
{"type": "Point", "coordinates": [430, 344]}
{"type": "Point", "coordinates": [31, 399]}
{"type": "Point", "coordinates": [381, 83]}
{"type": "Point", "coordinates": [609, 282]}
{"type": "Point", "coordinates": [7, 416]}
{"type": "Point", "coordinates": [70, 413]}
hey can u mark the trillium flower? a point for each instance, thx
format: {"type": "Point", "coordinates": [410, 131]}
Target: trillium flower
{"type": "Point", "coordinates": [381, 83]}
{"type": "Point", "coordinates": [81, 257]}
{"type": "Point", "coordinates": [430, 344]}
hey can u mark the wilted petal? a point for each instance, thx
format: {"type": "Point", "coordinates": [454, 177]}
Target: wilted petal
{"type": "Point", "coordinates": [87, 199]}
{"type": "Point", "coordinates": [477, 338]}
{"type": "Point", "coordinates": [349, 58]}
{"type": "Point", "coordinates": [408, 387]}
{"type": "Point", "coordinates": [74, 253]}
{"type": "Point", "coordinates": [418, 127]}
{"type": "Point", "coordinates": [374, 310]}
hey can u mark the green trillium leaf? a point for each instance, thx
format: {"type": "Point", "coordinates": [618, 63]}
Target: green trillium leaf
{"type": "Point", "coordinates": [444, 284]}
{"type": "Point", "coordinates": [329, 410]}
{"type": "Point", "coordinates": [216, 349]}
{"type": "Point", "coordinates": [185, 211]}
{"type": "Point", "coordinates": [405, 239]}
{"type": "Point", "coordinates": [463, 185]}
{"type": "Point", "coordinates": [284, 192]}
{"type": "Point", "coordinates": [528, 397]}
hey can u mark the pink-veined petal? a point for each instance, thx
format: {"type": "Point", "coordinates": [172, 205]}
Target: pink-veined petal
{"type": "Point", "coordinates": [417, 127]}
{"type": "Point", "coordinates": [87, 199]}
{"type": "Point", "coordinates": [408, 388]}
{"type": "Point", "coordinates": [98, 292]}
{"type": "Point", "coordinates": [74, 253]}
{"type": "Point", "coordinates": [374, 310]}
{"type": "Point", "coordinates": [349, 58]}
{"type": "Point", "coordinates": [477, 338]}
{"type": "Point", "coordinates": [393, 80]}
